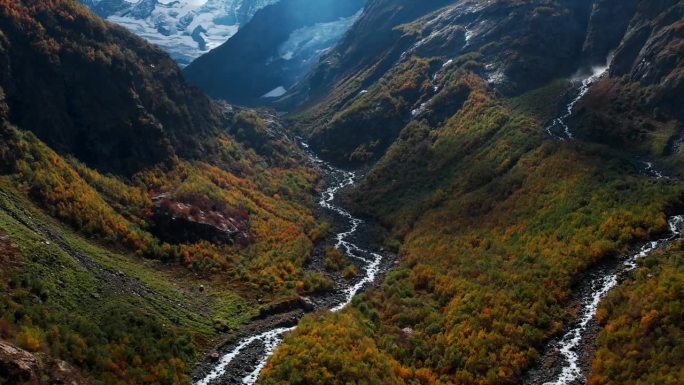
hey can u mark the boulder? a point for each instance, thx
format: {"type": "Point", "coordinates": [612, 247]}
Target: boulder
{"type": "Point", "coordinates": [287, 305]}
{"type": "Point", "coordinates": [213, 356]}
{"type": "Point", "coordinates": [17, 365]}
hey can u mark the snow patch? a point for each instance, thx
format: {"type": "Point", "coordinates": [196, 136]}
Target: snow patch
{"type": "Point", "coordinates": [316, 38]}
{"type": "Point", "coordinates": [276, 92]}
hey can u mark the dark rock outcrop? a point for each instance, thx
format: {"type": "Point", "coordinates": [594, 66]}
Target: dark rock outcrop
{"type": "Point", "coordinates": [286, 306]}
{"type": "Point", "coordinates": [652, 53]}
{"type": "Point", "coordinates": [643, 93]}
{"type": "Point", "coordinates": [607, 26]}
{"type": "Point", "coordinates": [18, 366]}
{"type": "Point", "coordinates": [177, 222]}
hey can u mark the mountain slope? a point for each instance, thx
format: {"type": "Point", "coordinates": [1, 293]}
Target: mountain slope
{"type": "Point", "coordinates": [638, 342]}
{"type": "Point", "coordinates": [274, 50]}
{"type": "Point", "coordinates": [516, 46]}
{"type": "Point", "coordinates": [638, 106]}
{"type": "Point", "coordinates": [142, 223]}
{"type": "Point", "coordinates": [495, 219]}
{"type": "Point", "coordinates": [115, 102]}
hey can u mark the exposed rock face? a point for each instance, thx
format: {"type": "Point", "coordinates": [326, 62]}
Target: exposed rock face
{"type": "Point", "coordinates": [652, 52]}
{"type": "Point", "coordinates": [63, 373]}
{"type": "Point", "coordinates": [287, 306]}
{"type": "Point", "coordinates": [18, 366]}
{"type": "Point", "coordinates": [607, 26]}
{"type": "Point", "coordinates": [177, 222]}
{"type": "Point", "coordinates": [620, 110]}
{"type": "Point", "coordinates": [522, 44]}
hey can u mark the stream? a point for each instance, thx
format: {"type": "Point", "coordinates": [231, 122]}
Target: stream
{"type": "Point", "coordinates": [570, 356]}
{"type": "Point", "coordinates": [562, 121]}
{"type": "Point", "coordinates": [572, 353]}
{"type": "Point", "coordinates": [243, 363]}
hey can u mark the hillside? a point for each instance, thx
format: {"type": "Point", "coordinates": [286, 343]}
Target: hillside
{"type": "Point", "coordinates": [496, 209]}
{"type": "Point", "coordinates": [394, 63]}
{"type": "Point", "coordinates": [140, 221]}
{"type": "Point", "coordinates": [109, 98]}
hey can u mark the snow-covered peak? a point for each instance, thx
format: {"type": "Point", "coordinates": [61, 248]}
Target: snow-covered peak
{"type": "Point", "coordinates": [184, 28]}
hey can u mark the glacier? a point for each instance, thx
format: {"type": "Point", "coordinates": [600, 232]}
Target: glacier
{"type": "Point", "coordinates": [186, 29]}
{"type": "Point", "coordinates": [304, 46]}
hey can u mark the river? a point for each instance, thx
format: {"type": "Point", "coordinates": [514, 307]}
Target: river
{"type": "Point", "coordinates": [371, 265]}
{"type": "Point", "coordinates": [584, 86]}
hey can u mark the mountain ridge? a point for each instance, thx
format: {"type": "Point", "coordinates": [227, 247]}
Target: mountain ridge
{"type": "Point", "coordinates": [143, 221]}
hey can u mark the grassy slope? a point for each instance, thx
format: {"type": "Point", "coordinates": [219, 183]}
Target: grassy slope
{"type": "Point", "coordinates": [111, 315]}
{"type": "Point", "coordinates": [494, 223]}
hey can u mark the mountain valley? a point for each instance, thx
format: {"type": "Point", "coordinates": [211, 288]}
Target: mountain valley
{"type": "Point", "coordinates": [383, 192]}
